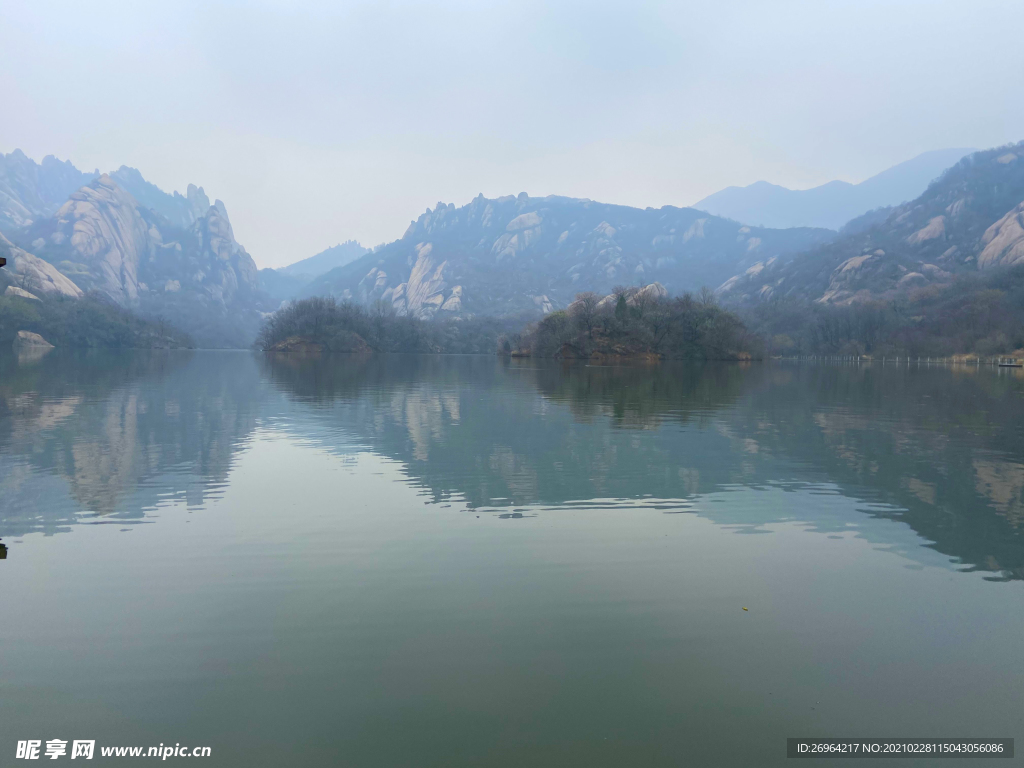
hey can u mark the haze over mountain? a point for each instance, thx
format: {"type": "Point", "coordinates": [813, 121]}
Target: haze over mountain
{"type": "Point", "coordinates": [173, 257]}
{"type": "Point", "coordinates": [29, 190]}
{"type": "Point", "coordinates": [833, 204]}
{"type": "Point", "coordinates": [526, 254]}
{"type": "Point", "coordinates": [335, 256]}
{"type": "Point", "coordinates": [287, 282]}
{"type": "Point", "coordinates": [970, 220]}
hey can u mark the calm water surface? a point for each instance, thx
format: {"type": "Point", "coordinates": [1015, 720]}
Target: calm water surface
{"type": "Point", "coordinates": [456, 561]}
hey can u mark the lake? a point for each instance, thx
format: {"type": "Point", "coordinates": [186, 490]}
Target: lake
{"type": "Point", "coordinates": [467, 561]}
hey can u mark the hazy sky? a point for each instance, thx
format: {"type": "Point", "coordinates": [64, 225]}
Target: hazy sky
{"type": "Point", "coordinates": [319, 122]}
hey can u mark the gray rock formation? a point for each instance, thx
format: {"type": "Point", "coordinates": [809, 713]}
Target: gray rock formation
{"type": "Point", "coordinates": [102, 239]}
{"type": "Point", "coordinates": [523, 255]}
{"type": "Point", "coordinates": [11, 290]}
{"type": "Point", "coordinates": [29, 339]}
{"type": "Point", "coordinates": [179, 210]}
{"type": "Point", "coordinates": [103, 229]}
{"type": "Point", "coordinates": [33, 274]}
{"type": "Point", "coordinates": [970, 219]}
{"type": "Point", "coordinates": [1004, 241]}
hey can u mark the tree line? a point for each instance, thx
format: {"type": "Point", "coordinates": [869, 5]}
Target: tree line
{"type": "Point", "coordinates": [976, 314]}
{"type": "Point", "coordinates": [637, 322]}
{"type": "Point", "coordinates": [344, 326]}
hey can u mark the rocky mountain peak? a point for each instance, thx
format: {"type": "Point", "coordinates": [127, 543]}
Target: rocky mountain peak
{"type": "Point", "coordinates": [520, 254]}
{"type": "Point", "coordinates": [971, 218]}
{"type": "Point", "coordinates": [30, 191]}
{"type": "Point", "coordinates": [197, 200]}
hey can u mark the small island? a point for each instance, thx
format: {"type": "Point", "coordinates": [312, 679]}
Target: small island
{"type": "Point", "coordinates": [639, 323]}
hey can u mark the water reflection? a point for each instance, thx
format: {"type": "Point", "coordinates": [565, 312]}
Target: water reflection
{"type": "Point", "coordinates": [104, 435]}
{"type": "Point", "coordinates": [936, 449]}
{"type": "Point", "coordinates": [98, 437]}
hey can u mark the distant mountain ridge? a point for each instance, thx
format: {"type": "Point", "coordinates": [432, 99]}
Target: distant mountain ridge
{"type": "Point", "coordinates": [833, 204]}
{"type": "Point", "coordinates": [970, 220]}
{"type": "Point", "coordinates": [288, 282]}
{"type": "Point", "coordinates": [328, 259]}
{"type": "Point", "coordinates": [520, 254]}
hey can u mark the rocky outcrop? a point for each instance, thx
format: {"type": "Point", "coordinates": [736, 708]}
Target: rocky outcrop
{"type": "Point", "coordinates": [162, 254]}
{"type": "Point", "coordinates": [933, 229]}
{"type": "Point", "coordinates": [179, 210]}
{"type": "Point", "coordinates": [26, 339]}
{"type": "Point", "coordinates": [226, 266]}
{"type": "Point", "coordinates": [113, 245]}
{"type": "Point", "coordinates": [13, 291]}
{"type": "Point", "coordinates": [103, 229]}
{"type": "Point", "coordinates": [522, 255]}
{"type": "Point", "coordinates": [424, 293]}
{"type": "Point", "coordinates": [34, 274]}
{"type": "Point", "coordinates": [1004, 241]}
{"type": "Point", "coordinates": [454, 302]}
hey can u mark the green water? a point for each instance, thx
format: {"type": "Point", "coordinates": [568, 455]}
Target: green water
{"type": "Point", "coordinates": [457, 561]}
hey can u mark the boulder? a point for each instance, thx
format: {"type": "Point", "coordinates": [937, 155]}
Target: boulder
{"type": "Point", "coordinates": [1004, 241]}
{"type": "Point", "coordinates": [38, 275]}
{"type": "Point", "coordinates": [27, 339]}
{"type": "Point", "coordinates": [13, 291]}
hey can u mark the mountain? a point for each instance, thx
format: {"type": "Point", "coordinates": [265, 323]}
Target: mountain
{"type": "Point", "coordinates": [833, 204]}
{"type": "Point", "coordinates": [280, 286]}
{"type": "Point", "coordinates": [969, 221]}
{"type": "Point", "coordinates": [30, 190]}
{"type": "Point", "coordinates": [335, 256]}
{"type": "Point", "coordinates": [288, 282]}
{"type": "Point", "coordinates": [168, 257]}
{"type": "Point", "coordinates": [181, 211]}
{"type": "Point", "coordinates": [515, 255]}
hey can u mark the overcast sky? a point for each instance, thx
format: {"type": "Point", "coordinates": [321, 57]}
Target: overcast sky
{"type": "Point", "coordinates": [320, 122]}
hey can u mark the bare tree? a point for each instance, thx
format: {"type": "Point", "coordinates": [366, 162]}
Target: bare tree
{"type": "Point", "coordinates": [642, 301]}
{"type": "Point", "coordinates": [584, 310]}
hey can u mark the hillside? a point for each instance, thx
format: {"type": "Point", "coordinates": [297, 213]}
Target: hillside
{"type": "Point", "coordinates": [522, 254]}
{"type": "Point", "coordinates": [833, 204]}
{"type": "Point", "coordinates": [969, 221]}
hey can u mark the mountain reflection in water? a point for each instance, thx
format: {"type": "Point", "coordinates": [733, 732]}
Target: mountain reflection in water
{"type": "Point", "coordinates": [91, 438]}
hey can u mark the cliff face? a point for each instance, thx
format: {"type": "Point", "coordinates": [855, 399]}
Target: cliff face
{"type": "Point", "coordinates": [1004, 241]}
{"type": "Point", "coordinates": [101, 228]}
{"type": "Point", "coordinates": [971, 219]}
{"type": "Point", "coordinates": [111, 244]}
{"type": "Point", "coordinates": [515, 255]}
{"type": "Point", "coordinates": [33, 275]}
{"type": "Point", "coordinates": [172, 256]}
